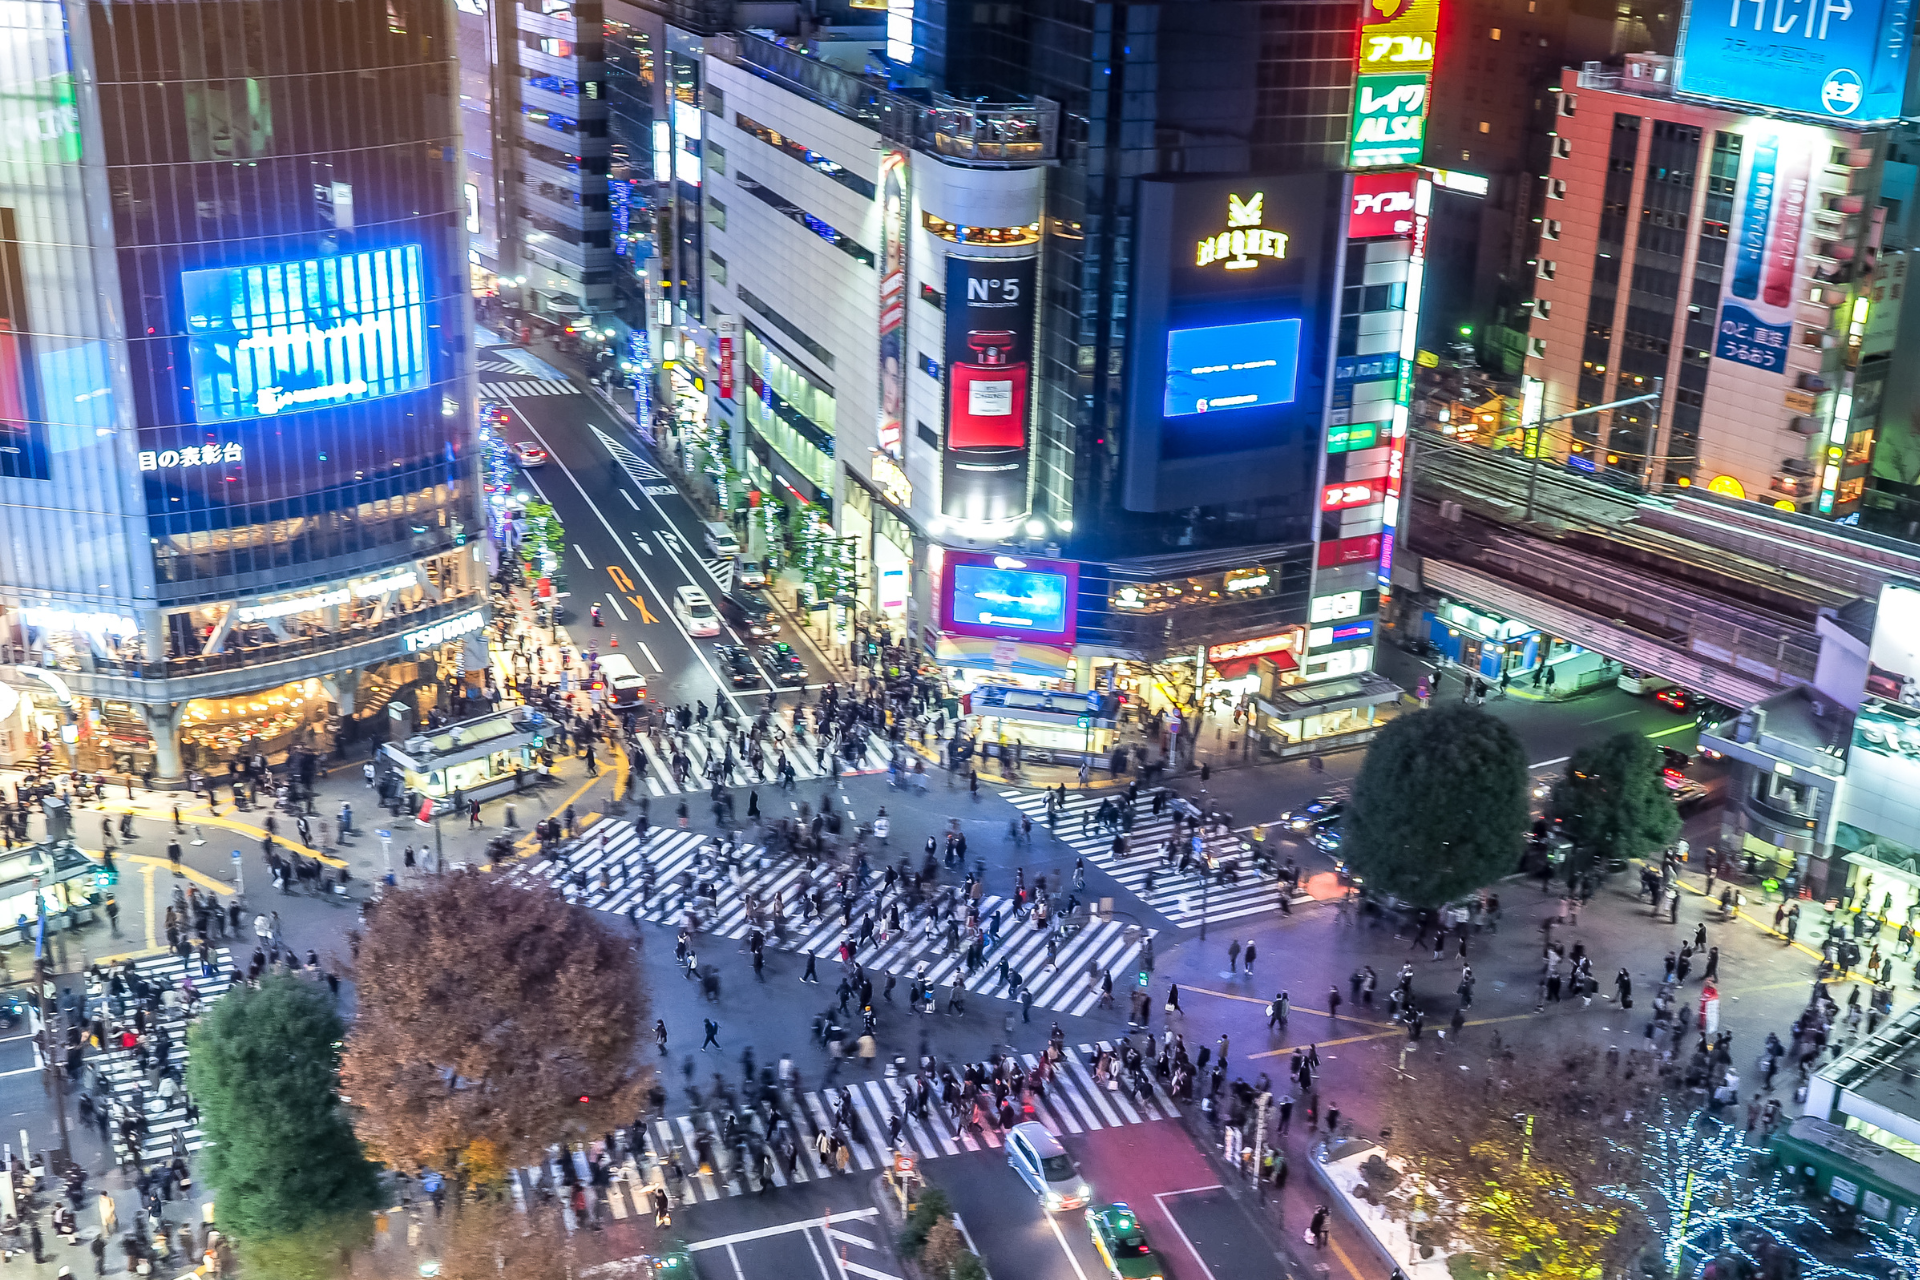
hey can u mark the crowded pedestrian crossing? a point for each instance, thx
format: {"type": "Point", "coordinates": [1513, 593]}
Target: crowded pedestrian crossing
{"type": "Point", "coordinates": [1064, 966]}
{"type": "Point", "coordinates": [1182, 897]}
{"type": "Point", "coordinates": [707, 760]}
{"type": "Point", "coordinates": [133, 1081]}
{"type": "Point", "coordinates": [684, 1156]}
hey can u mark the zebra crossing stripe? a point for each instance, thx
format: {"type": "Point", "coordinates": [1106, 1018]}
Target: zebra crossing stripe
{"type": "Point", "coordinates": [1177, 897]}
{"type": "Point", "coordinates": [526, 387]}
{"type": "Point", "coordinates": [637, 468]}
{"type": "Point", "coordinates": [1073, 1103]}
{"type": "Point", "coordinates": [120, 1068]}
{"type": "Point", "coordinates": [1071, 984]}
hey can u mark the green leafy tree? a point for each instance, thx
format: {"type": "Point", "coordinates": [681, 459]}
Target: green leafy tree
{"type": "Point", "coordinates": [282, 1157]}
{"type": "Point", "coordinates": [1613, 803]}
{"type": "Point", "coordinates": [1440, 806]}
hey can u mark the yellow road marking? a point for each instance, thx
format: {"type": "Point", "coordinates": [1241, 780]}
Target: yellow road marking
{"type": "Point", "coordinates": [1291, 1008]}
{"type": "Point", "coordinates": [153, 936]}
{"type": "Point", "coordinates": [230, 824]}
{"type": "Point", "coordinates": [620, 578]}
{"type": "Point", "coordinates": [641, 605]}
{"type": "Point", "coordinates": [200, 878]}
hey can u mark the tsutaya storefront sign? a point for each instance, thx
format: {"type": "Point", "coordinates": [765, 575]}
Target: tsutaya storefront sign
{"type": "Point", "coordinates": [1245, 242]}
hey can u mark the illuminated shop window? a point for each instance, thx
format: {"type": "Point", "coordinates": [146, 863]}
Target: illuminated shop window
{"type": "Point", "coordinates": [1029, 234]}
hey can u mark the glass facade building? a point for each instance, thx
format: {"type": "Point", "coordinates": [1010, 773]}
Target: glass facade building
{"type": "Point", "coordinates": [234, 360]}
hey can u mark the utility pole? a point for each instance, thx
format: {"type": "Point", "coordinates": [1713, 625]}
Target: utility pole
{"type": "Point", "coordinates": [1536, 440]}
{"type": "Point", "coordinates": [1655, 474]}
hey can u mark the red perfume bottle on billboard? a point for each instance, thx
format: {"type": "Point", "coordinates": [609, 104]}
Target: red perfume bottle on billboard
{"type": "Point", "coordinates": [989, 406]}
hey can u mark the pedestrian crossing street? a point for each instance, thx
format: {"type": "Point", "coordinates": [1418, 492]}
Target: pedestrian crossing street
{"type": "Point", "coordinates": [657, 774]}
{"type": "Point", "coordinates": [1074, 1103]}
{"type": "Point", "coordinates": [120, 1068]}
{"type": "Point", "coordinates": [527, 387]}
{"type": "Point", "coordinates": [1180, 898]}
{"type": "Point", "coordinates": [1071, 983]}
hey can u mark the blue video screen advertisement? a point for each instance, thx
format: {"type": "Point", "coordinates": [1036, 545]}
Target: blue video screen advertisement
{"type": "Point", "coordinates": [1842, 60]}
{"type": "Point", "coordinates": [1009, 597]}
{"type": "Point", "coordinates": [1233, 366]}
{"type": "Point", "coordinates": [288, 336]}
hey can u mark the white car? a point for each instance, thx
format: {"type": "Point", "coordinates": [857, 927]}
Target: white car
{"type": "Point", "coordinates": [696, 612]}
{"type": "Point", "coordinates": [752, 574]}
{"type": "Point", "coordinates": [528, 454]}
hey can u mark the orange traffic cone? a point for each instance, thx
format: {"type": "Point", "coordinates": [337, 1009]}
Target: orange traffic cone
{"type": "Point", "coordinates": [615, 642]}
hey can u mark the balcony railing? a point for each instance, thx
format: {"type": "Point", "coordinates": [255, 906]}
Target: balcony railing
{"type": "Point", "coordinates": [984, 133]}
{"type": "Point", "coordinates": [260, 655]}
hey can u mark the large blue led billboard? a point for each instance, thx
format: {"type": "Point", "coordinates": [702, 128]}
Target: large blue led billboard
{"type": "Point", "coordinates": [1009, 597]}
{"type": "Point", "coordinates": [1834, 59]}
{"type": "Point", "coordinates": [1231, 366]}
{"type": "Point", "coordinates": [286, 336]}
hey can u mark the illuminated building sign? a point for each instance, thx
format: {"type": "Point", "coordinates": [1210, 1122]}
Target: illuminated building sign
{"type": "Point", "coordinates": [892, 480]}
{"type": "Point", "coordinates": [1381, 204]}
{"type": "Point", "coordinates": [202, 455]}
{"type": "Point", "coordinates": [893, 300]}
{"type": "Point", "coordinates": [1403, 393]}
{"type": "Point", "coordinates": [111, 624]}
{"type": "Point", "coordinates": [287, 336]}
{"type": "Point", "coordinates": [440, 632]}
{"type": "Point", "coordinates": [1389, 120]}
{"type": "Point", "coordinates": [1234, 366]}
{"type": "Point", "coordinates": [1338, 551]}
{"type": "Point", "coordinates": [1352, 493]}
{"type": "Point", "coordinates": [1353, 435]}
{"type": "Point", "coordinates": [1247, 580]}
{"type": "Point", "coordinates": [1009, 597]}
{"type": "Point", "coordinates": [1344, 604]}
{"type": "Point", "coordinates": [1398, 35]}
{"type": "Point", "coordinates": [1245, 242]}
{"type": "Point", "coordinates": [1285, 640]}
{"type": "Point", "coordinates": [327, 599]}
{"type": "Point", "coordinates": [1844, 59]}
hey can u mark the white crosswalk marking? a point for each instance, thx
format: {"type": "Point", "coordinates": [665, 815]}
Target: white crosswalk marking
{"type": "Point", "coordinates": [1068, 980]}
{"type": "Point", "coordinates": [703, 755]}
{"type": "Point", "coordinates": [637, 468]}
{"type": "Point", "coordinates": [1145, 872]}
{"type": "Point", "coordinates": [1074, 1102]}
{"type": "Point", "coordinates": [520, 387]}
{"type": "Point", "coordinates": [120, 1070]}
{"type": "Point", "coordinates": [721, 571]}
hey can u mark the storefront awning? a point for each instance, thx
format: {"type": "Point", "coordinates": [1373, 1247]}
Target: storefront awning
{"type": "Point", "coordinates": [1234, 668]}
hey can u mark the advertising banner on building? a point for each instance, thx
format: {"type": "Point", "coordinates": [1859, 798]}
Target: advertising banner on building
{"type": "Point", "coordinates": [893, 301]}
{"type": "Point", "coordinates": [989, 372]}
{"type": "Point", "coordinates": [1764, 245]}
{"type": "Point", "coordinates": [1844, 60]}
{"type": "Point", "coordinates": [996, 596]}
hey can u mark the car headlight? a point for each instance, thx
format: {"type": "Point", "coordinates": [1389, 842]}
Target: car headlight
{"type": "Point", "coordinates": [1085, 1191]}
{"type": "Point", "coordinates": [1053, 1198]}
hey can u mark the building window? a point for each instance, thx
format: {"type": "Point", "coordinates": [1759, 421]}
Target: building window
{"type": "Point", "coordinates": [928, 436]}
{"type": "Point", "coordinates": [1537, 347]}
{"type": "Point", "coordinates": [714, 99]}
{"type": "Point", "coordinates": [1493, 33]}
{"type": "Point", "coordinates": [1543, 308]}
{"type": "Point", "coordinates": [1563, 147]}
{"type": "Point", "coordinates": [716, 156]}
{"type": "Point", "coordinates": [1568, 102]}
{"type": "Point", "coordinates": [1551, 229]}
{"type": "Point", "coordinates": [805, 155]}
{"type": "Point", "coordinates": [716, 214]}
{"type": "Point", "coordinates": [930, 366]}
{"type": "Point", "coordinates": [929, 294]}
{"type": "Point", "coordinates": [717, 267]}
{"type": "Point", "coordinates": [787, 327]}
{"type": "Point", "coordinates": [1547, 268]}
{"type": "Point", "coordinates": [1556, 188]}
{"type": "Point", "coordinates": [1029, 234]}
{"type": "Point", "coordinates": [833, 236]}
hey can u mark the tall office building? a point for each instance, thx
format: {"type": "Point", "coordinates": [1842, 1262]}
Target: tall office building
{"type": "Point", "coordinates": [237, 495]}
{"type": "Point", "coordinates": [1049, 316]}
{"type": "Point", "coordinates": [1742, 259]}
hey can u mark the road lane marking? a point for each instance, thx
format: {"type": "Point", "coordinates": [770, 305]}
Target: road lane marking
{"type": "Point", "coordinates": [1668, 733]}
{"type": "Point", "coordinates": [639, 602]}
{"type": "Point", "coordinates": [699, 655]}
{"type": "Point", "coordinates": [629, 498]}
{"type": "Point", "coordinates": [1161, 1200]}
{"type": "Point", "coordinates": [734, 1258]}
{"type": "Point", "coordinates": [615, 606]}
{"type": "Point", "coordinates": [153, 938]}
{"type": "Point", "coordinates": [807, 1224]}
{"type": "Point", "coordinates": [1054, 1222]}
{"type": "Point", "coordinates": [583, 556]}
{"type": "Point", "coordinates": [651, 660]}
{"type": "Point", "coordinates": [1547, 764]}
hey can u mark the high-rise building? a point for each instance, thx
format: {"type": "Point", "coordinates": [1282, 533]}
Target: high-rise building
{"type": "Point", "coordinates": [1738, 257]}
{"type": "Point", "coordinates": [237, 494]}
{"type": "Point", "coordinates": [1013, 290]}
